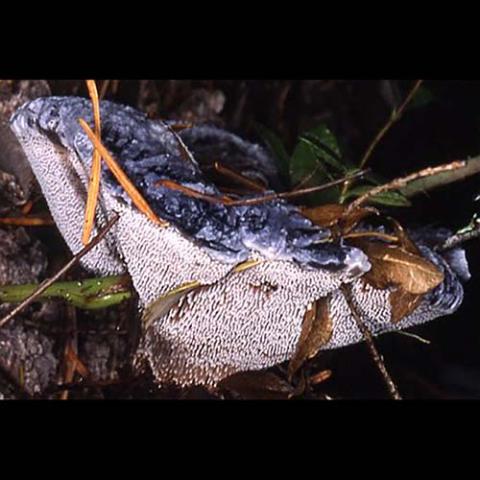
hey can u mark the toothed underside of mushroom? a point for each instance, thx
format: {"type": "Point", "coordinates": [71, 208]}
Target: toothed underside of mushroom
{"type": "Point", "coordinates": [253, 320]}
{"type": "Point", "coordinates": [246, 321]}
{"type": "Point", "coordinates": [235, 321]}
{"type": "Point", "coordinates": [63, 179]}
{"type": "Point", "coordinates": [161, 259]}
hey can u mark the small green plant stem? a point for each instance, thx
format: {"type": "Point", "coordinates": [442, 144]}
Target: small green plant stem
{"type": "Point", "coordinates": [48, 282]}
{"type": "Point", "coordinates": [90, 294]}
{"type": "Point", "coordinates": [394, 117]}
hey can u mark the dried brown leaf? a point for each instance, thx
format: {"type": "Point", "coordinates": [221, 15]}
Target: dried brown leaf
{"type": "Point", "coordinates": [394, 266]}
{"type": "Point", "coordinates": [324, 215]}
{"type": "Point", "coordinates": [261, 385]}
{"type": "Point", "coordinates": [332, 213]}
{"type": "Point", "coordinates": [316, 331]}
{"type": "Point", "coordinates": [403, 239]}
{"type": "Point", "coordinates": [403, 303]}
{"type": "Point", "coordinates": [164, 303]}
{"type": "Point", "coordinates": [350, 221]}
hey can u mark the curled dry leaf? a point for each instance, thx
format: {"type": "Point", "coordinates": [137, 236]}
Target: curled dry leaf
{"type": "Point", "coordinates": [262, 385]}
{"type": "Point", "coordinates": [316, 331]}
{"type": "Point", "coordinates": [394, 266]}
{"type": "Point", "coordinates": [324, 215]}
{"type": "Point", "coordinates": [333, 213]}
{"type": "Point", "coordinates": [403, 239]}
{"type": "Point", "coordinates": [403, 303]}
{"type": "Point", "coordinates": [403, 267]}
{"type": "Point", "coordinates": [164, 303]}
{"type": "Point", "coordinates": [350, 221]}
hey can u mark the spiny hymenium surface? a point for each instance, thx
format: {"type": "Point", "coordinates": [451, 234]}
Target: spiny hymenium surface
{"type": "Point", "coordinates": [237, 320]}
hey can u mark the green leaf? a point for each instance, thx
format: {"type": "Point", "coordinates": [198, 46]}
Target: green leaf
{"type": "Point", "coordinates": [304, 163]}
{"type": "Point", "coordinates": [308, 171]}
{"type": "Point", "coordinates": [317, 160]}
{"type": "Point", "coordinates": [390, 199]}
{"type": "Point", "coordinates": [276, 147]}
{"type": "Point", "coordinates": [322, 141]}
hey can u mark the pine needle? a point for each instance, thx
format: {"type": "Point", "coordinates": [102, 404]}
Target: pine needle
{"type": "Point", "coordinates": [121, 177]}
{"type": "Point", "coordinates": [27, 221]}
{"type": "Point", "coordinates": [94, 182]}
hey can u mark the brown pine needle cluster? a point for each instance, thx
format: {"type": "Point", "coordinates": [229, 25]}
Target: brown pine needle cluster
{"type": "Point", "coordinates": [121, 177]}
{"type": "Point", "coordinates": [94, 183]}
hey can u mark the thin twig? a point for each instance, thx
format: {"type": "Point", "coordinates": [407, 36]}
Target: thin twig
{"type": "Point", "coordinates": [238, 177]}
{"type": "Point", "coordinates": [27, 221]}
{"type": "Point", "coordinates": [373, 234]}
{"type": "Point", "coordinates": [459, 238]}
{"type": "Point", "coordinates": [412, 335]}
{"type": "Point", "coordinates": [183, 148]}
{"type": "Point", "coordinates": [104, 89]}
{"type": "Point", "coordinates": [402, 182]}
{"type": "Point", "coordinates": [296, 193]}
{"type": "Point", "coordinates": [307, 178]}
{"type": "Point", "coordinates": [377, 358]}
{"type": "Point", "coordinates": [191, 192]}
{"type": "Point", "coordinates": [115, 85]}
{"type": "Point", "coordinates": [320, 377]}
{"type": "Point", "coordinates": [19, 389]}
{"type": "Point", "coordinates": [50, 281]}
{"type": "Point", "coordinates": [394, 117]}
{"type": "Point", "coordinates": [423, 185]}
{"type": "Point", "coordinates": [70, 350]}
{"type": "Point", "coordinates": [303, 191]}
{"type": "Point", "coordinates": [180, 126]}
{"type": "Point", "coordinates": [27, 208]}
{"type": "Point", "coordinates": [250, 201]}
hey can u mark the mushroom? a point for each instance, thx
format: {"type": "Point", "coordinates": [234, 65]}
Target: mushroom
{"type": "Point", "coordinates": [226, 318]}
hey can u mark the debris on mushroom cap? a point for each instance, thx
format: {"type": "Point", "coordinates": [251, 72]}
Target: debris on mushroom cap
{"type": "Point", "coordinates": [148, 152]}
{"type": "Point", "coordinates": [210, 144]}
{"type": "Point", "coordinates": [63, 179]}
{"type": "Point", "coordinates": [233, 321]}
